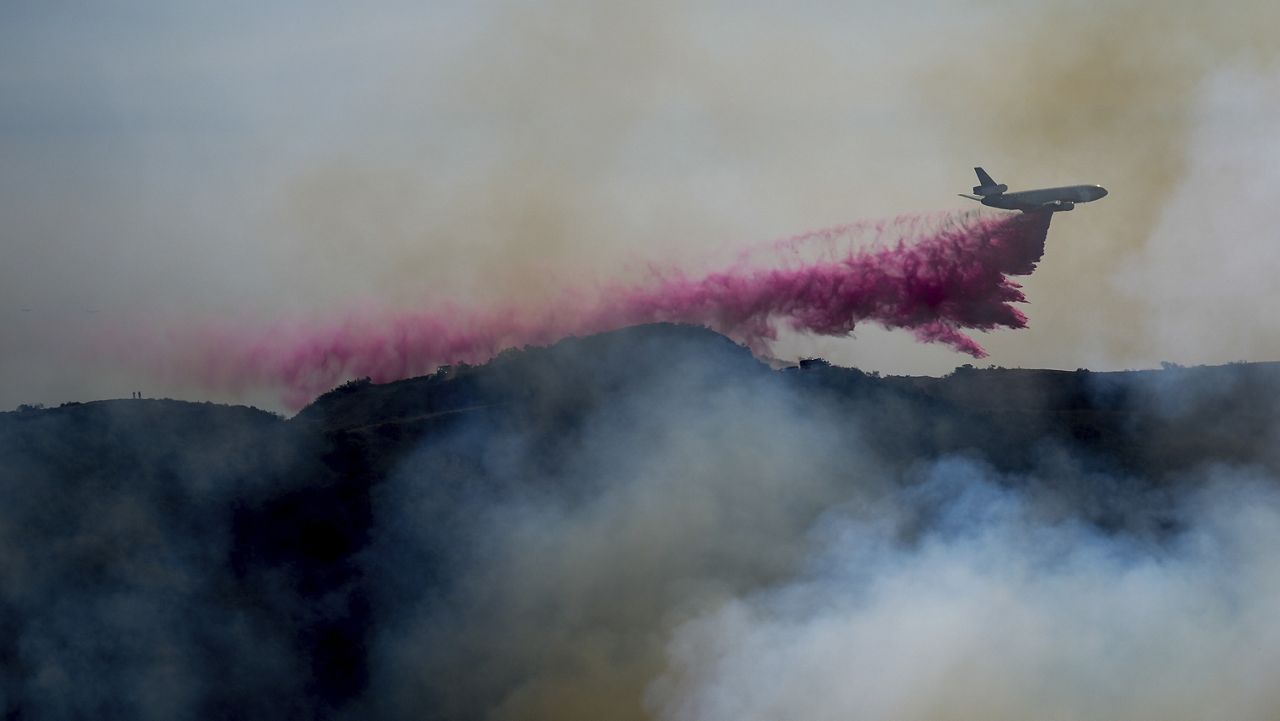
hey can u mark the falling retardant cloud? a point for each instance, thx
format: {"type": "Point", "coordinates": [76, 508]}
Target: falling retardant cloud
{"type": "Point", "coordinates": [936, 276]}
{"type": "Point", "coordinates": [250, 161]}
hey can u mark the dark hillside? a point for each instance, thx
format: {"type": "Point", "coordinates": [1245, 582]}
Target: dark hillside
{"type": "Point", "coordinates": [169, 559]}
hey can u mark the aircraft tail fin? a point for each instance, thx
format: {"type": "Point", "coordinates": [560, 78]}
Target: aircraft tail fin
{"type": "Point", "coordinates": [986, 185]}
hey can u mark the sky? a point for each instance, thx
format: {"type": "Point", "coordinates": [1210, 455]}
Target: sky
{"type": "Point", "coordinates": [173, 163]}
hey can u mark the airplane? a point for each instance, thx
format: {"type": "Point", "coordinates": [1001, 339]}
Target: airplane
{"type": "Point", "coordinates": [993, 194]}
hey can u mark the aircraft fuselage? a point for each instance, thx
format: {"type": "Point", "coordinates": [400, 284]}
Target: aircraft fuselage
{"type": "Point", "coordinates": [1045, 198]}
{"type": "Point", "coordinates": [996, 195]}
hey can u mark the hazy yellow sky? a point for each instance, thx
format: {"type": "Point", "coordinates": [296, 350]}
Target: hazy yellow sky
{"type": "Point", "coordinates": [279, 160]}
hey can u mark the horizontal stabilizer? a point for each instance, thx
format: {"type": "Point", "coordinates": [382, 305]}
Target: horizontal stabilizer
{"type": "Point", "coordinates": [970, 197]}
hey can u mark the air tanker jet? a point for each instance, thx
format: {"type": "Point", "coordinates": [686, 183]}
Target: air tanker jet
{"type": "Point", "coordinates": [989, 193]}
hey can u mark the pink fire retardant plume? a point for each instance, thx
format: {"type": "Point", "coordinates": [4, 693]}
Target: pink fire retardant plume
{"type": "Point", "coordinates": [936, 276]}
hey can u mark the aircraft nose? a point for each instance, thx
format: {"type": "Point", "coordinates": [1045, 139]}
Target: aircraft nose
{"type": "Point", "coordinates": [1099, 192]}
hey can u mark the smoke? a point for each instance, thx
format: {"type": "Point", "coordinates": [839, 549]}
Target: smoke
{"type": "Point", "coordinates": [279, 161]}
{"type": "Point", "coordinates": [113, 559]}
{"type": "Point", "coordinates": [1105, 92]}
{"type": "Point", "coordinates": [993, 613]}
{"type": "Point", "coordinates": [747, 552]}
{"type": "Point", "coordinates": [936, 276]}
{"type": "Point", "coordinates": [693, 483]}
{"type": "Point", "coordinates": [1202, 262]}
{"type": "Point", "coordinates": [650, 524]}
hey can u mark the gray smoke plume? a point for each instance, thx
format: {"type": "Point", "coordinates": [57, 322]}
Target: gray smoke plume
{"type": "Point", "coordinates": [652, 524]}
{"type": "Point", "coordinates": [744, 553]}
{"type": "Point", "coordinates": [269, 162]}
{"type": "Point", "coordinates": [995, 613]}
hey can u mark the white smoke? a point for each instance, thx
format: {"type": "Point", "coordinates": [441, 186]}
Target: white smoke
{"type": "Point", "coordinates": [993, 613]}
{"type": "Point", "coordinates": [1207, 274]}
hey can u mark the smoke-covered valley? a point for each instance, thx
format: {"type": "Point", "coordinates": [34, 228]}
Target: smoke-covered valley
{"type": "Point", "coordinates": [651, 523]}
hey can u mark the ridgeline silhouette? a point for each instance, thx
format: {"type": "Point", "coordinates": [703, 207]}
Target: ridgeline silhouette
{"type": "Point", "coordinates": [165, 558]}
